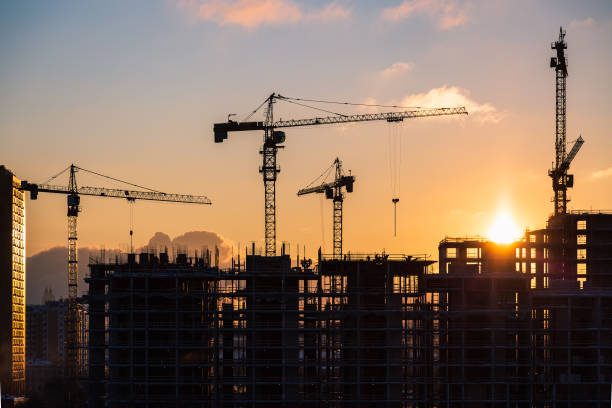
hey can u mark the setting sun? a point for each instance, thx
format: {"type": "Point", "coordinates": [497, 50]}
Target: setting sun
{"type": "Point", "coordinates": [504, 229]}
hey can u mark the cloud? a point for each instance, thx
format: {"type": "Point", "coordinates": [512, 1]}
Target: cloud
{"type": "Point", "coordinates": [602, 173]}
{"type": "Point", "coordinates": [251, 14]}
{"type": "Point", "coordinates": [446, 13]}
{"type": "Point", "coordinates": [587, 22]}
{"type": "Point", "coordinates": [190, 242]}
{"type": "Point", "coordinates": [330, 12]}
{"type": "Point", "coordinates": [47, 269]}
{"type": "Point", "coordinates": [397, 68]}
{"type": "Point", "coordinates": [450, 97]}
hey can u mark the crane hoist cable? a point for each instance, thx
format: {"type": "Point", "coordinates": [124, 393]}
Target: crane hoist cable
{"type": "Point", "coordinates": [323, 178]}
{"type": "Point", "coordinates": [131, 203]}
{"type": "Point", "coordinates": [375, 105]}
{"type": "Point", "coordinates": [313, 107]}
{"type": "Point", "coordinates": [394, 148]}
{"type": "Point", "coordinates": [116, 179]}
{"type": "Point", "coordinates": [294, 101]}
{"type": "Point", "coordinates": [325, 173]}
{"type": "Point", "coordinates": [56, 176]}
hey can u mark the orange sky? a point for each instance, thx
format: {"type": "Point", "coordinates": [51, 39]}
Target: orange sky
{"type": "Point", "coordinates": [134, 94]}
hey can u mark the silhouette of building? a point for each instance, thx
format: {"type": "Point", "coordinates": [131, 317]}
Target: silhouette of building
{"type": "Point", "coordinates": [45, 341]}
{"type": "Point", "coordinates": [12, 284]}
{"type": "Point", "coordinates": [150, 332]}
{"type": "Point", "coordinates": [545, 341]}
{"type": "Point", "coordinates": [496, 325]}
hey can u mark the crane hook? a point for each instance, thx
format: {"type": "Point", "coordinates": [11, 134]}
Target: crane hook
{"type": "Point", "coordinates": [395, 201]}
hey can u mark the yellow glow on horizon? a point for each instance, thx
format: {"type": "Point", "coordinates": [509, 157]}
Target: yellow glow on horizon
{"type": "Point", "coordinates": [504, 229]}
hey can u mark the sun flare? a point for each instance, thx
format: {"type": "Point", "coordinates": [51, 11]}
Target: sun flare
{"type": "Point", "coordinates": [504, 229]}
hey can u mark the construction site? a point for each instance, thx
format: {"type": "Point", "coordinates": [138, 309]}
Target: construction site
{"type": "Point", "coordinates": [526, 323]}
{"type": "Point", "coordinates": [364, 330]}
{"type": "Point", "coordinates": [519, 324]}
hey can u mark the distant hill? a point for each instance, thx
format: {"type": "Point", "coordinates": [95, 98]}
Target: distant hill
{"type": "Point", "coordinates": [48, 268]}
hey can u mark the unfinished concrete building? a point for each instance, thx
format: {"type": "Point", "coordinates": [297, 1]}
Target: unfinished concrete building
{"type": "Point", "coordinates": [557, 321]}
{"type": "Point", "coordinates": [150, 328]}
{"type": "Point", "coordinates": [495, 326]}
{"type": "Point", "coordinates": [372, 348]}
{"type": "Point", "coordinates": [268, 334]}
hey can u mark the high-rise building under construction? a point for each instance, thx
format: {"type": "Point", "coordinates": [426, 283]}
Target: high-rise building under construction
{"type": "Point", "coordinates": [524, 324]}
{"type": "Point", "coordinates": [12, 283]}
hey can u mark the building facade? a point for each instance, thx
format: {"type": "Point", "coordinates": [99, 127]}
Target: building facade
{"type": "Point", "coordinates": [496, 325]}
{"type": "Point", "coordinates": [12, 284]}
{"type": "Point", "coordinates": [530, 321]}
{"type": "Point", "coordinates": [45, 342]}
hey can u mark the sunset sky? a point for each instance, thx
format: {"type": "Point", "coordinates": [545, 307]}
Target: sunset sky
{"type": "Point", "coordinates": [131, 89]}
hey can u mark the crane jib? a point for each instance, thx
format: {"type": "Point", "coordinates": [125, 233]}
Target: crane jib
{"type": "Point", "coordinates": [221, 129]}
{"type": "Point", "coordinates": [34, 189]}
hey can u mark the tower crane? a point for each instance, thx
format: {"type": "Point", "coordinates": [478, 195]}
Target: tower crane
{"type": "Point", "coordinates": [273, 140]}
{"type": "Point", "coordinates": [561, 180]}
{"type": "Point", "coordinates": [333, 191]}
{"type": "Point", "coordinates": [74, 192]}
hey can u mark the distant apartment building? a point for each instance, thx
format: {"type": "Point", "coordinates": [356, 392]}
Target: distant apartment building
{"type": "Point", "coordinates": [12, 284]}
{"type": "Point", "coordinates": [45, 342]}
{"type": "Point", "coordinates": [45, 332]}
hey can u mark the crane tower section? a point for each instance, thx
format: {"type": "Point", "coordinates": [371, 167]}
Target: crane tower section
{"type": "Point", "coordinates": [333, 191]}
{"type": "Point", "coordinates": [561, 180]}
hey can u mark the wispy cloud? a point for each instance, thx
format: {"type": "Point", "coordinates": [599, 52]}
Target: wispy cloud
{"type": "Point", "coordinates": [602, 173]}
{"type": "Point", "coordinates": [452, 96]}
{"type": "Point", "coordinates": [587, 22]}
{"type": "Point", "coordinates": [396, 68]}
{"type": "Point", "coordinates": [251, 14]}
{"type": "Point", "coordinates": [446, 13]}
{"type": "Point", "coordinates": [331, 12]}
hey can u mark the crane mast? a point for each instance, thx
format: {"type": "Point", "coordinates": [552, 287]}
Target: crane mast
{"type": "Point", "coordinates": [273, 140]}
{"type": "Point", "coordinates": [270, 170]}
{"type": "Point", "coordinates": [72, 318]}
{"type": "Point", "coordinates": [561, 180]}
{"type": "Point", "coordinates": [334, 192]}
{"type": "Point", "coordinates": [73, 193]}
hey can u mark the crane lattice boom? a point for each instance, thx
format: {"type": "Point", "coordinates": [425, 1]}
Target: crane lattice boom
{"type": "Point", "coordinates": [116, 193]}
{"type": "Point", "coordinates": [344, 181]}
{"type": "Point", "coordinates": [221, 129]}
{"type": "Point", "coordinates": [570, 156]}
